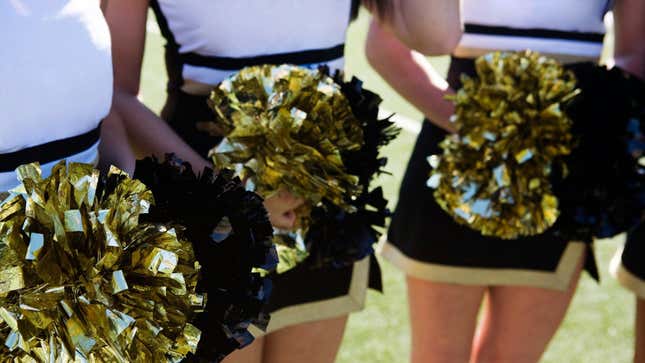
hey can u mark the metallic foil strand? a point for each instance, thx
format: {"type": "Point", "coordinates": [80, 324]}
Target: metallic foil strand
{"type": "Point", "coordinates": [71, 287]}
{"type": "Point", "coordinates": [494, 174]}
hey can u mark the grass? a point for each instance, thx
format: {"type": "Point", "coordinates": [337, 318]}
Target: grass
{"type": "Point", "coordinates": [598, 327]}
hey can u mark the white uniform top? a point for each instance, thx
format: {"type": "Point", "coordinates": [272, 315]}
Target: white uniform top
{"type": "Point", "coordinates": [243, 29]}
{"type": "Point", "coordinates": [566, 27]}
{"type": "Point", "coordinates": [56, 74]}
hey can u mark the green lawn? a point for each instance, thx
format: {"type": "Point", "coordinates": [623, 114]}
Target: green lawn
{"type": "Point", "coordinates": [598, 327]}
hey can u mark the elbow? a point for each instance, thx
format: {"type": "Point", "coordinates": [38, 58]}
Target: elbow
{"type": "Point", "coordinates": [126, 83]}
{"type": "Point", "coordinates": [633, 63]}
{"type": "Point", "coordinates": [441, 47]}
{"type": "Point", "coordinates": [124, 95]}
{"type": "Point", "coordinates": [126, 90]}
{"type": "Point", "coordinates": [119, 99]}
{"type": "Point", "coordinates": [437, 44]}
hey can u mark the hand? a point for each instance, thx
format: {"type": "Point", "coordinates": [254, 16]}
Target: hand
{"type": "Point", "coordinates": [281, 207]}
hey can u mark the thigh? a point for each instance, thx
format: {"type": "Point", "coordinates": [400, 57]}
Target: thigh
{"type": "Point", "coordinates": [443, 318]}
{"type": "Point", "coordinates": [315, 342]}
{"type": "Point", "coordinates": [519, 322]}
{"type": "Point", "coordinates": [249, 354]}
{"type": "Point", "coordinates": [639, 355]}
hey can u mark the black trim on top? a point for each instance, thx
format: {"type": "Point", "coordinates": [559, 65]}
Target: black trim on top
{"type": "Point", "coordinates": [51, 151]}
{"type": "Point", "coordinates": [356, 5]}
{"type": "Point", "coordinates": [173, 64]}
{"type": "Point", "coordinates": [533, 33]}
{"type": "Point", "coordinates": [163, 25]}
{"type": "Point", "coordinates": [231, 64]}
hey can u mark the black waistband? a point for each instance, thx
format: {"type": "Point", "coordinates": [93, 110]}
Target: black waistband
{"type": "Point", "coordinates": [51, 151]}
{"type": "Point", "coordinates": [230, 64]}
{"type": "Point", "coordinates": [459, 66]}
{"type": "Point", "coordinates": [533, 33]}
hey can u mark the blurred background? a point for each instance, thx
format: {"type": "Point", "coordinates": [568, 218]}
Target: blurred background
{"type": "Point", "coordinates": [599, 325]}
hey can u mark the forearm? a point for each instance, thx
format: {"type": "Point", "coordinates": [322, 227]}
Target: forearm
{"type": "Point", "coordinates": [411, 75]}
{"type": "Point", "coordinates": [114, 148]}
{"type": "Point", "coordinates": [432, 27]}
{"type": "Point", "coordinates": [629, 19]}
{"type": "Point", "coordinates": [150, 135]}
{"type": "Point", "coordinates": [632, 63]}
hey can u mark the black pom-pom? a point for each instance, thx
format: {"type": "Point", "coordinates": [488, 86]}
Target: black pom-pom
{"type": "Point", "coordinates": [602, 193]}
{"type": "Point", "coordinates": [231, 234]}
{"type": "Point", "coordinates": [336, 237]}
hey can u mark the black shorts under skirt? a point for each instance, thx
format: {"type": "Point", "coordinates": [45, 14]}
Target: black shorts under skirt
{"type": "Point", "coordinates": [425, 242]}
{"type": "Point", "coordinates": [300, 295]}
{"type": "Point", "coordinates": [628, 264]}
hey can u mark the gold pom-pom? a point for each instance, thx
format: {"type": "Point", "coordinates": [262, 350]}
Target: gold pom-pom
{"type": "Point", "coordinates": [494, 173]}
{"type": "Point", "coordinates": [82, 280]}
{"type": "Point", "coordinates": [287, 127]}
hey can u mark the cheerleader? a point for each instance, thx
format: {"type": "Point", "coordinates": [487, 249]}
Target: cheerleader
{"type": "Point", "coordinates": [57, 84]}
{"type": "Point", "coordinates": [206, 42]}
{"type": "Point", "coordinates": [628, 265]}
{"type": "Point", "coordinates": [527, 283]}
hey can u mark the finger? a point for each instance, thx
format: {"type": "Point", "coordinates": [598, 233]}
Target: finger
{"type": "Point", "coordinates": [283, 220]}
{"type": "Point", "coordinates": [290, 200]}
{"type": "Point", "coordinates": [295, 203]}
{"type": "Point", "coordinates": [290, 218]}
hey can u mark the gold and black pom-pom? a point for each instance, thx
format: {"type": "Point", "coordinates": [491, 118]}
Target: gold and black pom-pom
{"type": "Point", "coordinates": [494, 174]}
{"type": "Point", "coordinates": [84, 279]}
{"type": "Point", "coordinates": [231, 234]}
{"type": "Point", "coordinates": [286, 127]}
{"type": "Point", "coordinates": [335, 237]}
{"type": "Point", "coordinates": [316, 136]}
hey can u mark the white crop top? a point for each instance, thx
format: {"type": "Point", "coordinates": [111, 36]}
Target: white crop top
{"type": "Point", "coordinates": [233, 32]}
{"type": "Point", "coordinates": [56, 75]}
{"type": "Point", "coordinates": [567, 27]}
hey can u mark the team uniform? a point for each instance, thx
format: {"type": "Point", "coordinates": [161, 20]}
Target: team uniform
{"type": "Point", "coordinates": [208, 41]}
{"type": "Point", "coordinates": [54, 93]}
{"type": "Point", "coordinates": [423, 240]}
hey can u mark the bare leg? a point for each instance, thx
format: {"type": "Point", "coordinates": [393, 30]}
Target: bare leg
{"type": "Point", "coordinates": [315, 342]}
{"type": "Point", "coordinates": [519, 322]}
{"type": "Point", "coordinates": [443, 319]}
{"type": "Point", "coordinates": [639, 355]}
{"type": "Point", "coordinates": [249, 354]}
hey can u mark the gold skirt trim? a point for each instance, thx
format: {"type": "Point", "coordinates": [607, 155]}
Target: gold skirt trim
{"type": "Point", "coordinates": [625, 277]}
{"type": "Point", "coordinates": [324, 309]}
{"type": "Point", "coordinates": [559, 279]}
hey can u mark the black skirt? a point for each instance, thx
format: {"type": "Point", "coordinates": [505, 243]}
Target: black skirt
{"type": "Point", "coordinates": [301, 295]}
{"type": "Point", "coordinates": [628, 264]}
{"type": "Point", "coordinates": [425, 242]}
